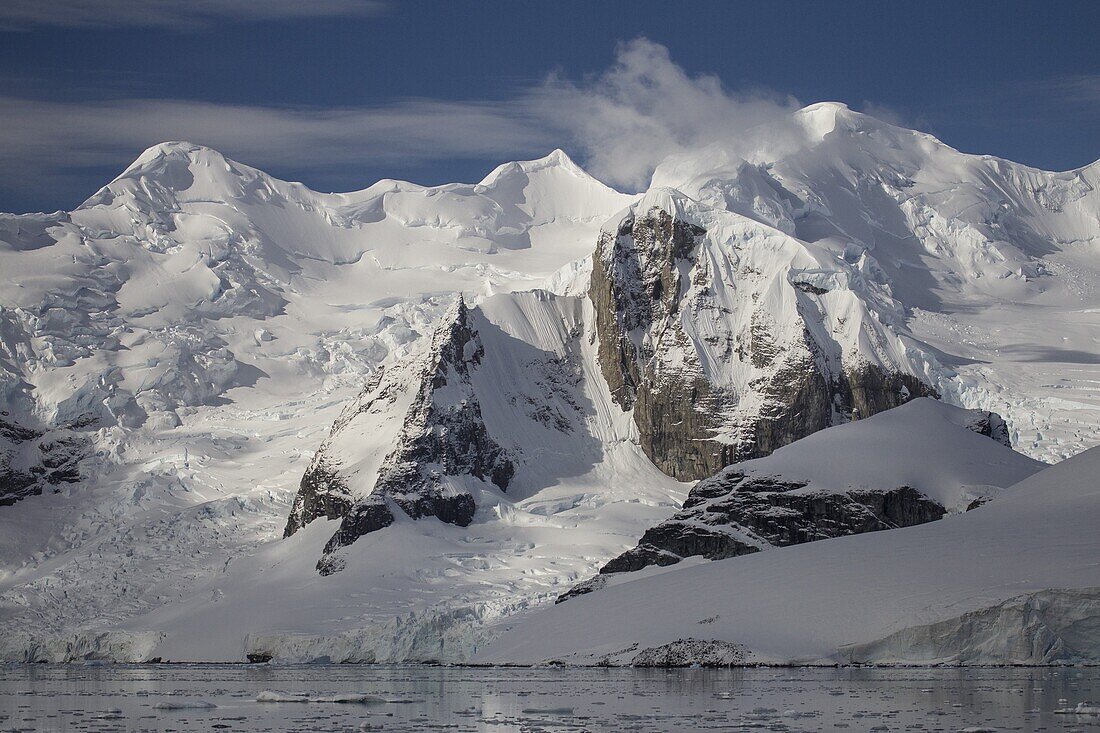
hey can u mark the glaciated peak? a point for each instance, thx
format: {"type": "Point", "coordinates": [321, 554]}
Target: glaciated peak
{"type": "Point", "coordinates": [826, 108]}
{"type": "Point", "coordinates": [170, 148]}
{"type": "Point", "coordinates": [671, 200]}
{"type": "Point", "coordinates": [548, 189]}
{"type": "Point", "coordinates": [824, 117]}
{"type": "Point", "coordinates": [555, 160]}
{"type": "Point", "coordinates": [157, 161]}
{"type": "Point", "coordinates": [174, 167]}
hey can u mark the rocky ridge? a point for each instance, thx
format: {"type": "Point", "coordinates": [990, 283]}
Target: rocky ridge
{"type": "Point", "coordinates": [442, 435]}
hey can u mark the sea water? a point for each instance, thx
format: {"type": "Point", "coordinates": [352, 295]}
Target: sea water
{"type": "Point", "coordinates": [423, 698]}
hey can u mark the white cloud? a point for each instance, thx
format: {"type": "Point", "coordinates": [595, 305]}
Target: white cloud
{"type": "Point", "coordinates": [178, 14]}
{"type": "Point", "coordinates": [83, 133]}
{"type": "Point", "coordinates": [1078, 88]}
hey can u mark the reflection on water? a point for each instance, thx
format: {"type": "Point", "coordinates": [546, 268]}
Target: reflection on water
{"type": "Point", "coordinates": [135, 698]}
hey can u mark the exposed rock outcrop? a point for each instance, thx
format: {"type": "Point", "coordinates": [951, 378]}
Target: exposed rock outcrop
{"type": "Point", "coordinates": [442, 438]}
{"type": "Point", "coordinates": [691, 652]}
{"type": "Point", "coordinates": [732, 514]}
{"type": "Point", "coordinates": [34, 461]}
{"type": "Point", "coordinates": [991, 425]}
{"type": "Point", "coordinates": [593, 584]}
{"type": "Point", "coordinates": [729, 339]}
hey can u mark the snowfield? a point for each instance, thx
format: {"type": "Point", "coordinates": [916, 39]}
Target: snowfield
{"type": "Point", "coordinates": [174, 351]}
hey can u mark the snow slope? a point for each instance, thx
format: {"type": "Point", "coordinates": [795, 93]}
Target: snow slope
{"type": "Point", "coordinates": [1014, 581]}
{"type": "Point", "coordinates": [924, 444]}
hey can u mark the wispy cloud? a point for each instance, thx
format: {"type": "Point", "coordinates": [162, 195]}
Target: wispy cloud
{"type": "Point", "coordinates": [50, 142]}
{"type": "Point", "coordinates": [620, 123]}
{"type": "Point", "coordinates": [178, 14]}
{"type": "Point", "coordinates": [84, 133]}
{"type": "Point", "coordinates": [1077, 88]}
{"type": "Point", "coordinates": [1025, 101]}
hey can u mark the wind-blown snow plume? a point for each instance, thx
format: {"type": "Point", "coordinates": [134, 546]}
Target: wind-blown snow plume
{"type": "Point", "coordinates": [646, 108]}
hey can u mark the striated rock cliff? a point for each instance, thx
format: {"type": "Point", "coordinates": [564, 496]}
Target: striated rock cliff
{"type": "Point", "coordinates": [729, 339]}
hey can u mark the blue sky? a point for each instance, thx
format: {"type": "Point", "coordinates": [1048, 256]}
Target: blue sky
{"type": "Point", "coordinates": [339, 93]}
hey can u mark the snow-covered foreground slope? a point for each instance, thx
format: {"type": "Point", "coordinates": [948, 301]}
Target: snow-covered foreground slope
{"type": "Point", "coordinates": [1014, 581]}
{"type": "Point", "coordinates": [174, 352]}
{"type": "Point", "coordinates": [935, 448]}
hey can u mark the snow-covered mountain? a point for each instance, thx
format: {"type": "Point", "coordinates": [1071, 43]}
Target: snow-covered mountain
{"type": "Point", "coordinates": [216, 384]}
{"type": "Point", "coordinates": [992, 261]}
{"type": "Point", "coordinates": [170, 285]}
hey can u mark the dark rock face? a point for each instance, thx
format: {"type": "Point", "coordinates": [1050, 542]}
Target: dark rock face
{"type": "Point", "coordinates": [651, 273]}
{"type": "Point", "coordinates": [670, 542]}
{"type": "Point", "coordinates": [15, 482]}
{"type": "Point", "coordinates": [636, 284]}
{"type": "Point", "coordinates": [690, 652]}
{"type": "Point", "coordinates": [804, 401]}
{"type": "Point", "coordinates": [442, 435]}
{"type": "Point", "coordinates": [591, 585]}
{"type": "Point", "coordinates": [35, 461]}
{"type": "Point", "coordinates": [732, 514]}
{"type": "Point", "coordinates": [321, 493]}
{"type": "Point", "coordinates": [991, 425]}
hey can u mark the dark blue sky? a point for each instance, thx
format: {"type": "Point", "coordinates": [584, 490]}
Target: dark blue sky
{"type": "Point", "coordinates": [1018, 80]}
